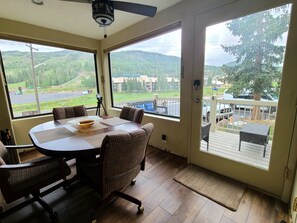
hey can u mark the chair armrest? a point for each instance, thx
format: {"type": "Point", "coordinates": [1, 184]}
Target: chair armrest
{"type": "Point", "coordinates": [28, 165]}
{"type": "Point", "coordinates": [19, 146]}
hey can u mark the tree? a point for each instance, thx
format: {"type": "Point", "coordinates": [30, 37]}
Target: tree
{"type": "Point", "coordinates": [89, 81]}
{"type": "Point", "coordinates": [124, 86]}
{"type": "Point", "coordinates": [258, 56]}
{"type": "Point", "coordinates": [161, 84]}
{"type": "Point", "coordinates": [209, 81]}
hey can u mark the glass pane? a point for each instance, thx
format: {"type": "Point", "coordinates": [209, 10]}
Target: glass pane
{"type": "Point", "coordinates": [41, 77]}
{"type": "Point", "coordinates": [243, 71]}
{"type": "Point", "coordinates": [147, 74]}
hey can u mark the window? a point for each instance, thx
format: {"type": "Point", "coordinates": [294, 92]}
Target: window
{"type": "Point", "coordinates": [41, 77]}
{"type": "Point", "coordinates": [147, 74]}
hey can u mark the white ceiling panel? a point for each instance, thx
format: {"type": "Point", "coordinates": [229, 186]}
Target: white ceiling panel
{"type": "Point", "coordinates": [72, 17]}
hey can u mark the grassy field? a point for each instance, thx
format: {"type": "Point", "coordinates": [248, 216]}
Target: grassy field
{"type": "Point", "coordinates": [87, 100]}
{"type": "Point", "coordinates": [90, 99]}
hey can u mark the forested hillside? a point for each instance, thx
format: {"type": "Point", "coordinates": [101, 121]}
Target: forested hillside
{"type": "Point", "coordinates": [51, 68]}
{"type": "Point", "coordinates": [60, 67]}
{"type": "Point", "coordinates": [125, 63]}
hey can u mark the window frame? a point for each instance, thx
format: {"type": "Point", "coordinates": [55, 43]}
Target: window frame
{"type": "Point", "coordinates": [94, 52]}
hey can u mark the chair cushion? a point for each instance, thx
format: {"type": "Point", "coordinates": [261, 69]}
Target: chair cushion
{"type": "Point", "coordinates": [2, 162]}
{"type": "Point", "coordinates": [4, 171]}
{"type": "Point", "coordinates": [4, 153]}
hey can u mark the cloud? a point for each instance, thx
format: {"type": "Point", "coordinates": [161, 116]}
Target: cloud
{"type": "Point", "coordinates": [167, 44]}
{"type": "Point", "coordinates": [8, 45]}
{"type": "Point", "coordinates": [216, 36]}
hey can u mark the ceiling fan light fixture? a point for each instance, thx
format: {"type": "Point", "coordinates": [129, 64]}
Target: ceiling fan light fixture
{"type": "Point", "coordinates": [102, 12]}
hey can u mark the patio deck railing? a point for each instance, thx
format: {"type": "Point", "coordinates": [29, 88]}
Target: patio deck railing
{"type": "Point", "coordinates": [226, 124]}
{"type": "Point", "coordinates": [243, 112]}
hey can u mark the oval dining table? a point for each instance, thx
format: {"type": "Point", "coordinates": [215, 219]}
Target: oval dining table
{"type": "Point", "coordinates": [64, 138]}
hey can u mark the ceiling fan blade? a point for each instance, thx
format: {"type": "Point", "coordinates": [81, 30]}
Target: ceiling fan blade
{"type": "Point", "coordinates": [140, 9]}
{"type": "Point", "coordinates": [81, 1]}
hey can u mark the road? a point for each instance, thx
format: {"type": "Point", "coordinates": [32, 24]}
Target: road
{"type": "Point", "coordinates": [30, 98]}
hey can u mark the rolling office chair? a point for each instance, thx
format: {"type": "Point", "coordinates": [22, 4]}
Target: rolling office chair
{"type": "Point", "coordinates": [121, 159]}
{"type": "Point", "coordinates": [69, 112]}
{"type": "Point", "coordinates": [23, 179]}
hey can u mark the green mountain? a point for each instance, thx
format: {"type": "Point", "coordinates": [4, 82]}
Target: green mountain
{"type": "Point", "coordinates": [52, 68]}
{"type": "Point", "coordinates": [60, 67]}
{"type": "Point", "coordinates": [211, 71]}
{"type": "Point", "coordinates": [125, 63]}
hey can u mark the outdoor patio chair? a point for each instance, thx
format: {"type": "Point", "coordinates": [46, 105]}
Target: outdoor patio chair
{"type": "Point", "coordinates": [205, 133]}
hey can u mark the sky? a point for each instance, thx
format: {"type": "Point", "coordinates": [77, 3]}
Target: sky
{"type": "Point", "coordinates": [214, 54]}
{"type": "Point", "coordinates": [217, 35]}
{"type": "Point", "coordinates": [7, 45]}
{"type": "Point", "coordinates": [167, 44]}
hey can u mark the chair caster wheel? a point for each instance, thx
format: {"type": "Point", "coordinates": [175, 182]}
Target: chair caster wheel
{"type": "Point", "coordinates": [133, 182]}
{"type": "Point", "coordinates": [54, 216]}
{"type": "Point", "coordinates": [66, 187]}
{"type": "Point", "coordinates": [140, 209]}
{"type": "Point", "coordinates": [93, 219]}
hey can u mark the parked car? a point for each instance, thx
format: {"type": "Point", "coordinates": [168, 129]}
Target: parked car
{"type": "Point", "coordinates": [223, 111]}
{"type": "Point", "coordinates": [248, 95]}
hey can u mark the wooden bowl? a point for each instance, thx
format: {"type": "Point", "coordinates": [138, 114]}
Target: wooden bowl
{"type": "Point", "coordinates": [86, 124]}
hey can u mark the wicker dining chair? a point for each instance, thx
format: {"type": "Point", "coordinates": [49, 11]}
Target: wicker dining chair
{"type": "Point", "coordinates": [23, 179]}
{"type": "Point", "coordinates": [69, 112]}
{"type": "Point", "coordinates": [132, 114]}
{"type": "Point", "coordinates": [120, 161]}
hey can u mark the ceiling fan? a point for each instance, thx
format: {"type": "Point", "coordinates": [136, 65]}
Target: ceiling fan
{"type": "Point", "coordinates": [103, 9]}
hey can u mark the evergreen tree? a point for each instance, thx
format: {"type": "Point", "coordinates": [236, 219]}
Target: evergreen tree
{"type": "Point", "coordinates": [258, 57]}
{"type": "Point", "coordinates": [124, 86]}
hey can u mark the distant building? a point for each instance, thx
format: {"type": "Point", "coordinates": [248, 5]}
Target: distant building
{"type": "Point", "coordinates": [148, 82]}
{"type": "Point", "coordinates": [218, 81]}
{"type": "Point", "coordinates": [118, 83]}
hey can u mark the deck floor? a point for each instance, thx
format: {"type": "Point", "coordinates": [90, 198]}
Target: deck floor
{"type": "Point", "coordinates": [226, 145]}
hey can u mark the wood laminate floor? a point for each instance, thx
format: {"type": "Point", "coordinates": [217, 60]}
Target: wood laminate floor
{"type": "Point", "coordinates": [164, 201]}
